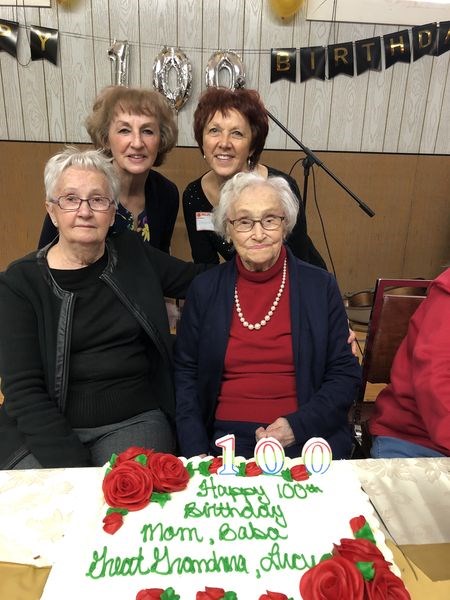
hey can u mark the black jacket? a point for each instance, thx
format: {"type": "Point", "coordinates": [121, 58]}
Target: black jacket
{"type": "Point", "coordinates": [36, 323]}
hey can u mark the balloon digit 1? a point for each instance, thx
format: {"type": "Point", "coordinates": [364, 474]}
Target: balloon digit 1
{"type": "Point", "coordinates": [119, 53]}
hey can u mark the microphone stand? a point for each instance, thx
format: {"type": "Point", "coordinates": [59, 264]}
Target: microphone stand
{"type": "Point", "coordinates": [310, 160]}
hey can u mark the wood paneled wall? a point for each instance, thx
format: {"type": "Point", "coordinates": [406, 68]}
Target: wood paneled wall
{"type": "Point", "coordinates": [405, 108]}
{"type": "Point", "coordinates": [408, 237]}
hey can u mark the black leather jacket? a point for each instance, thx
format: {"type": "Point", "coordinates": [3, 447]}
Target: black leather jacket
{"type": "Point", "coordinates": [36, 324]}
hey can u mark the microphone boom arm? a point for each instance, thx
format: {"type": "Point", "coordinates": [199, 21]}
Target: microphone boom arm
{"type": "Point", "coordinates": [311, 159]}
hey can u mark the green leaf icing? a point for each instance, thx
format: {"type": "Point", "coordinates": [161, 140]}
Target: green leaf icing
{"type": "Point", "coordinates": [241, 469]}
{"type": "Point", "coordinates": [366, 533]}
{"type": "Point", "coordinates": [169, 594]}
{"type": "Point", "coordinates": [141, 459]}
{"type": "Point", "coordinates": [160, 497]}
{"type": "Point", "coordinates": [203, 467]}
{"type": "Point", "coordinates": [122, 511]}
{"type": "Point", "coordinates": [190, 469]}
{"type": "Point", "coordinates": [286, 475]}
{"type": "Point", "coordinates": [230, 596]}
{"type": "Point", "coordinates": [367, 570]}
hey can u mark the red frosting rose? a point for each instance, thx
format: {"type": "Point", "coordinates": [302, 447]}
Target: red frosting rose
{"type": "Point", "coordinates": [216, 463]}
{"type": "Point", "coordinates": [169, 473]}
{"type": "Point", "coordinates": [299, 473]}
{"type": "Point", "coordinates": [210, 594]}
{"type": "Point", "coordinates": [360, 550]}
{"type": "Point", "coordinates": [273, 596]}
{"type": "Point", "coordinates": [332, 579]}
{"type": "Point", "coordinates": [131, 453]}
{"type": "Point", "coordinates": [129, 485]}
{"type": "Point", "coordinates": [386, 586]}
{"type": "Point", "coordinates": [112, 522]}
{"type": "Point", "coordinates": [150, 594]}
{"type": "Point", "coordinates": [252, 469]}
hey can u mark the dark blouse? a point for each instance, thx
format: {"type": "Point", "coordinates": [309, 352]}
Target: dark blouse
{"type": "Point", "coordinates": [206, 246]}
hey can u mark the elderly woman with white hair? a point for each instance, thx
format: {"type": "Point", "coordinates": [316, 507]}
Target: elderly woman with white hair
{"type": "Point", "coordinates": [85, 347]}
{"type": "Point", "coordinates": [262, 345]}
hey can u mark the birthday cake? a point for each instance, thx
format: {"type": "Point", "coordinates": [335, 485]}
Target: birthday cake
{"type": "Point", "coordinates": [160, 527]}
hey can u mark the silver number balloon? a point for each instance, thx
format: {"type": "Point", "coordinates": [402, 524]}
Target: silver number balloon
{"type": "Point", "coordinates": [173, 59]}
{"type": "Point", "coordinates": [119, 54]}
{"type": "Point", "coordinates": [225, 61]}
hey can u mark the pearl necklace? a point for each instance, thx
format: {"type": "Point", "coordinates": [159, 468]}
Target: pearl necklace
{"type": "Point", "coordinates": [271, 310]}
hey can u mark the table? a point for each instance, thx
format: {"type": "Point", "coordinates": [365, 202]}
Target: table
{"type": "Point", "coordinates": [411, 498]}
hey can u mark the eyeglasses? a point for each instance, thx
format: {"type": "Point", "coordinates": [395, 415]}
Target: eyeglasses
{"type": "Point", "coordinates": [72, 202]}
{"type": "Point", "coordinates": [271, 222]}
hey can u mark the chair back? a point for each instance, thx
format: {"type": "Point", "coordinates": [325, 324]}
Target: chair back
{"type": "Point", "coordinates": [394, 303]}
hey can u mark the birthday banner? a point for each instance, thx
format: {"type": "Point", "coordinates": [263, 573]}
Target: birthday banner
{"type": "Point", "coordinates": [349, 58]}
{"type": "Point", "coordinates": [43, 41]}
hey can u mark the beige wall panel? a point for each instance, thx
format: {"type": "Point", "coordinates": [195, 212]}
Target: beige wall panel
{"type": "Point", "coordinates": [435, 100]}
{"type": "Point", "coordinates": [416, 95]}
{"type": "Point", "coordinates": [317, 97]}
{"type": "Point", "coordinates": [348, 98]}
{"type": "Point", "coordinates": [190, 36]}
{"type": "Point", "coordinates": [377, 103]}
{"type": "Point", "coordinates": [54, 98]}
{"type": "Point", "coordinates": [102, 42]}
{"type": "Point", "coordinates": [77, 60]}
{"type": "Point", "coordinates": [11, 115]}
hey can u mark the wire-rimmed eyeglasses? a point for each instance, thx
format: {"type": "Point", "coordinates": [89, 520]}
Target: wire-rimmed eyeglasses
{"type": "Point", "coordinates": [271, 222]}
{"type": "Point", "coordinates": [71, 202]}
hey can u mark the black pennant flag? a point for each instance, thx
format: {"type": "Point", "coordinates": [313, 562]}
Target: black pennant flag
{"type": "Point", "coordinates": [340, 60]}
{"type": "Point", "coordinates": [312, 63]}
{"type": "Point", "coordinates": [368, 55]}
{"type": "Point", "coordinates": [43, 43]}
{"type": "Point", "coordinates": [397, 48]}
{"type": "Point", "coordinates": [283, 64]}
{"type": "Point", "coordinates": [444, 38]}
{"type": "Point", "coordinates": [8, 36]}
{"type": "Point", "coordinates": [424, 40]}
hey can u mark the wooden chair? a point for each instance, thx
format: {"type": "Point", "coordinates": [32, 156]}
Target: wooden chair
{"type": "Point", "coordinates": [394, 303]}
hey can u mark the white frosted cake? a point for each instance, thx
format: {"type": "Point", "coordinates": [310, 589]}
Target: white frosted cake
{"type": "Point", "coordinates": [237, 537]}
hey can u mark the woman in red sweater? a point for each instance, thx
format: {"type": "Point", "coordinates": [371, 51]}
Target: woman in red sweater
{"type": "Point", "coordinates": [412, 414]}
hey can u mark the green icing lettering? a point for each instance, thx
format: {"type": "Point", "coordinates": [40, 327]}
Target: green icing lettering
{"type": "Point", "coordinates": [277, 560]}
{"type": "Point", "coordinates": [227, 533]}
{"type": "Point", "coordinates": [165, 565]}
{"type": "Point", "coordinates": [288, 491]}
{"type": "Point", "coordinates": [102, 566]}
{"type": "Point", "coordinates": [263, 510]}
{"type": "Point", "coordinates": [158, 532]}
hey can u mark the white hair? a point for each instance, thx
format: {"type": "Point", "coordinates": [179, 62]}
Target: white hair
{"type": "Point", "coordinates": [234, 187]}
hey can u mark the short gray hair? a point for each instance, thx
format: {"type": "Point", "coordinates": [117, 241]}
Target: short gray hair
{"type": "Point", "coordinates": [234, 187]}
{"type": "Point", "coordinates": [94, 160]}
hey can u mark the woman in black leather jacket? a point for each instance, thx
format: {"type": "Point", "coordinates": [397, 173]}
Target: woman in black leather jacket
{"type": "Point", "coordinates": [85, 360]}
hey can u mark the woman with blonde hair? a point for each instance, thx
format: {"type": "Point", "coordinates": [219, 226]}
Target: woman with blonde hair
{"type": "Point", "coordinates": [136, 128]}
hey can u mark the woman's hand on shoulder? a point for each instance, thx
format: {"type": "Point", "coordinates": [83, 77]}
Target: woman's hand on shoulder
{"type": "Point", "coordinates": [352, 341]}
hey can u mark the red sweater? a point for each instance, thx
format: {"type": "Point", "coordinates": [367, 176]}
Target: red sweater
{"type": "Point", "coordinates": [415, 406]}
{"type": "Point", "coordinates": [258, 383]}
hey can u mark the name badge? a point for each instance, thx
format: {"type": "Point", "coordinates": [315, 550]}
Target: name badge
{"type": "Point", "coordinates": [204, 221]}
